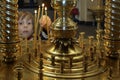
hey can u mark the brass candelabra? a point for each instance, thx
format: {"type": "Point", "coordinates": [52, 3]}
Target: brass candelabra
{"type": "Point", "coordinates": [62, 57]}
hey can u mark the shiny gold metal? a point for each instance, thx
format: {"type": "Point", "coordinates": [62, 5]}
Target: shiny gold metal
{"type": "Point", "coordinates": [98, 12]}
{"type": "Point", "coordinates": [112, 29]}
{"type": "Point", "coordinates": [68, 57]}
{"type": "Point", "coordinates": [9, 40]}
{"type": "Point", "coordinates": [62, 58]}
{"type": "Point", "coordinates": [63, 25]}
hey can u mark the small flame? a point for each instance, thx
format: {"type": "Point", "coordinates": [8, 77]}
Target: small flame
{"type": "Point", "coordinates": [46, 8]}
{"type": "Point", "coordinates": [43, 4]}
{"type": "Point", "coordinates": [92, 0]}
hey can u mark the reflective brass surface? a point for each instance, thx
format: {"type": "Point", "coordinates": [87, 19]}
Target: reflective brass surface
{"type": "Point", "coordinates": [62, 58]}
{"type": "Point", "coordinates": [98, 13]}
{"type": "Point", "coordinates": [63, 25]}
{"type": "Point", "coordinates": [9, 40]}
{"type": "Point", "coordinates": [112, 29]}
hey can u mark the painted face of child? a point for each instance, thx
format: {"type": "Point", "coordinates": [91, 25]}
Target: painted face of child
{"type": "Point", "coordinates": [25, 27]}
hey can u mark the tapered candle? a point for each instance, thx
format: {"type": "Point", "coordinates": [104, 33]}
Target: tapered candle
{"type": "Point", "coordinates": [47, 22]}
{"type": "Point", "coordinates": [42, 12]}
{"type": "Point", "coordinates": [35, 29]}
{"type": "Point", "coordinates": [35, 18]}
{"type": "Point", "coordinates": [26, 41]}
{"type": "Point", "coordinates": [43, 5]}
{"type": "Point", "coordinates": [38, 16]}
{"type": "Point", "coordinates": [21, 47]}
{"type": "Point", "coordinates": [46, 11]}
{"type": "Point", "coordinates": [54, 15]}
{"type": "Point", "coordinates": [40, 41]}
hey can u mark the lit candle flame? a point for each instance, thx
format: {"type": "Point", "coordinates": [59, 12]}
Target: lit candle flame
{"type": "Point", "coordinates": [35, 37]}
{"type": "Point", "coordinates": [42, 9]}
{"type": "Point", "coordinates": [46, 11]}
{"type": "Point", "coordinates": [43, 4]}
{"type": "Point", "coordinates": [92, 0]}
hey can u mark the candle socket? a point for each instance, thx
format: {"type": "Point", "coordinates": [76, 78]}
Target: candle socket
{"type": "Point", "coordinates": [53, 60]}
{"type": "Point", "coordinates": [81, 39]}
{"type": "Point", "coordinates": [19, 71]}
{"type": "Point", "coordinates": [41, 64]}
{"type": "Point", "coordinates": [91, 54]}
{"type": "Point", "coordinates": [70, 62]}
{"type": "Point", "coordinates": [62, 67]}
{"type": "Point", "coordinates": [29, 58]}
{"type": "Point", "coordinates": [110, 73]}
{"type": "Point", "coordinates": [35, 52]}
{"type": "Point", "coordinates": [40, 75]}
{"type": "Point", "coordinates": [85, 64]}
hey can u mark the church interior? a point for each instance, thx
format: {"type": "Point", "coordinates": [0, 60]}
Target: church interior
{"type": "Point", "coordinates": [83, 41]}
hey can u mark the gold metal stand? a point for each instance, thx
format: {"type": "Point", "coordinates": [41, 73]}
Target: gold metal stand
{"type": "Point", "coordinates": [61, 58]}
{"type": "Point", "coordinates": [9, 40]}
{"type": "Point", "coordinates": [112, 29]}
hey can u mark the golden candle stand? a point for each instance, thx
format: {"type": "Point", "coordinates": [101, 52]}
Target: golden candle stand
{"type": "Point", "coordinates": [63, 57]}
